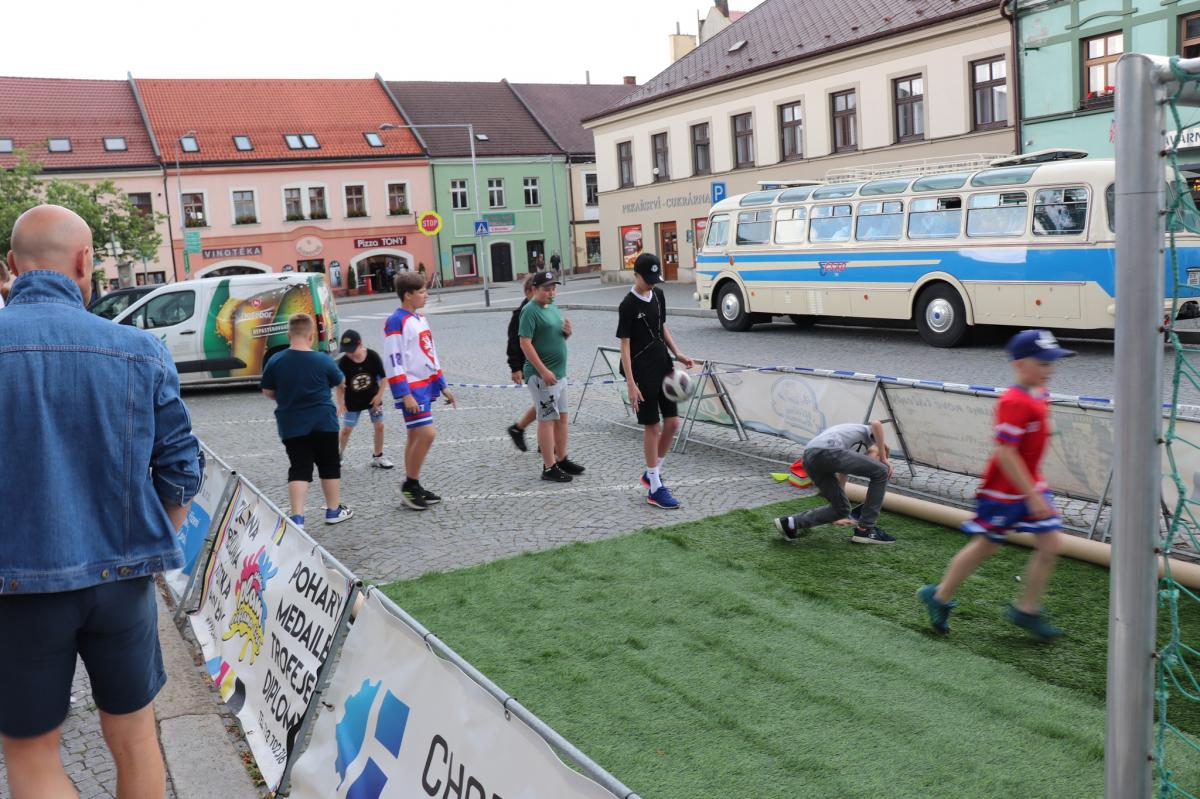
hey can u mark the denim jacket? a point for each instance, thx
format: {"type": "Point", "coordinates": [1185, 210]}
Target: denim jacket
{"type": "Point", "coordinates": [94, 437]}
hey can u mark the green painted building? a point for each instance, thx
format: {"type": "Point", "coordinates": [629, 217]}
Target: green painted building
{"type": "Point", "coordinates": [522, 188]}
{"type": "Point", "coordinates": [1067, 57]}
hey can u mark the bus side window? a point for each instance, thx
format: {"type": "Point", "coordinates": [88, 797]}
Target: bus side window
{"type": "Point", "coordinates": [1060, 212]}
{"type": "Point", "coordinates": [754, 227]}
{"type": "Point", "coordinates": [829, 223]}
{"type": "Point", "coordinates": [934, 217]}
{"type": "Point", "coordinates": [718, 232]}
{"type": "Point", "coordinates": [1110, 201]}
{"type": "Point", "coordinates": [880, 221]}
{"type": "Point", "coordinates": [789, 225]}
{"type": "Point", "coordinates": [997, 214]}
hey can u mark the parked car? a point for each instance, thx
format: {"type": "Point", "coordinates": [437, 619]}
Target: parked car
{"type": "Point", "coordinates": [223, 329]}
{"type": "Point", "coordinates": [112, 303]}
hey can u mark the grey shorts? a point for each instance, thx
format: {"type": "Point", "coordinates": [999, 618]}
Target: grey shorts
{"type": "Point", "coordinates": [550, 401]}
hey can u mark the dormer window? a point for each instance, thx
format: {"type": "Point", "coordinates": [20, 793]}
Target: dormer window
{"type": "Point", "coordinates": [6, 146]}
{"type": "Point", "coordinates": [310, 141]}
{"type": "Point", "coordinates": [293, 141]}
{"type": "Point", "coordinates": [243, 143]}
{"type": "Point", "coordinates": [59, 145]}
{"type": "Point", "coordinates": [301, 141]}
{"type": "Point", "coordinates": [115, 143]}
{"type": "Point", "coordinates": [738, 45]}
{"type": "Point", "coordinates": [189, 144]}
{"type": "Point", "coordinates": [373, 139]}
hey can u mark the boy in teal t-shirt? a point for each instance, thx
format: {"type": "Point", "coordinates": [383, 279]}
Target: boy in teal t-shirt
{"type": "Point", "coordinates": [543, 334]}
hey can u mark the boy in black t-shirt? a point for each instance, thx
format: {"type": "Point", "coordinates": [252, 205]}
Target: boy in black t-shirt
{"type": "Point", "coordinates": [361, 391]}
{"type": "Point", "coordinates": [646, 352]}
{"type": "Point", "coordinates": [516, 364]}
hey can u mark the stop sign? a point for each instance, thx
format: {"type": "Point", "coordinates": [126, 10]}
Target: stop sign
{"type": "Point", "coordinates": [430, 223]}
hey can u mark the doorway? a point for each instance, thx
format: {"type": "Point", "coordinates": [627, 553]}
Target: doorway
{"type": "Point", "coordinates": [535, 253]}
{"type": "Point", "coordinates": [668, 250]}
{"type": "Point", "coordinates": [502, 264]}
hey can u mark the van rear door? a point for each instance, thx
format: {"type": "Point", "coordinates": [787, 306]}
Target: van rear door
{"type": "Point", "coordinates": [325, 312]}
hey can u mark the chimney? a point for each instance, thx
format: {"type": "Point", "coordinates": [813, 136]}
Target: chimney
{"type": "Point", "coordinates": [723, 7]}
{"type": "Point", "coordinates": [587, 77]}
{"type": "Point", "coordinates": [630, 80]}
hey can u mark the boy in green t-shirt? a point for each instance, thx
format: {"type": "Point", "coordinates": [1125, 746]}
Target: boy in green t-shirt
{"type": "Point", "coordinates": [543, 334]}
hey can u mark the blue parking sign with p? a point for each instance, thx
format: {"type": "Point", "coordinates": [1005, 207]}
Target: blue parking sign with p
{"type": "Point", "coordinates": [719, 191]}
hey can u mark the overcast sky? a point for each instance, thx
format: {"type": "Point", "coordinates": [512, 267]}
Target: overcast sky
{"type": "Point", "coordinates": [547, 41]}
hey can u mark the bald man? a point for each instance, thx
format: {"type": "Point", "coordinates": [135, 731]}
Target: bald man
{"type": "Point", "coordinates": [107, 466]}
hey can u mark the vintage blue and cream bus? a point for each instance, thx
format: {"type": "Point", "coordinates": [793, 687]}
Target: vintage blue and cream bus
{"type": "Point", "coordinates": [1021, 242]}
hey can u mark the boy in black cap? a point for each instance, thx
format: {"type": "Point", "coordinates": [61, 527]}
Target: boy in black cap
{"type": "Point", "coordinates": [646, 352]}
{"type": "Point", "coordinates": [361, 391]}
{"type": "Point", "coordinates": [1013, 495]}
{"type": "Point", "coordinates": [543, 334]}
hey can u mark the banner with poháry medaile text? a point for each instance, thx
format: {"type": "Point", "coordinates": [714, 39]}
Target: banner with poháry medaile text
{"type": "Point", "coordinates": [398, 721]}
{"type": "Point", "coordinates": [266, 623]}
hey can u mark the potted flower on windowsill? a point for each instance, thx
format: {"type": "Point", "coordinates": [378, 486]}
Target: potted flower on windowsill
{"type": "Point", "coordinates": [1099, 99]}
{"type": "Point", "coordinates": [294, 217]}
{"type": "Point", "coordinates": [193, 221]}
{"type": "Point", "coordinates": [400, 210]}
{"type": "Point", "coordinates": [356, 214]}
{"type": "Point", "coordinates": [318, 215]}
{"type": "Point", "coordinates": [247, 219]}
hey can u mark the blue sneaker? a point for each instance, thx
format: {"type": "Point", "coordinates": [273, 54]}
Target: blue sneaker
{"type": "Point", "coordinates": [298, 519]}
{"type": "Point", "coordinates": [645, 481]}
{"type": "Point", "coordinates": [662, 499]}
{"type": "Point", "coordinates": [939, 612]}
{"type": "Point", "coordinates": [1035, 623]}
{"type": "Point", "coordinates": [337, 515]}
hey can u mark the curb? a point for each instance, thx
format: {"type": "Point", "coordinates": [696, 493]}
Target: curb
{"type": "Point", "coordinates": [201, 759]}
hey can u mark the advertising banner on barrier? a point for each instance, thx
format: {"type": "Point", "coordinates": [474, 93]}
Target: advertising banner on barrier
{"type": "Point", "coordinates": [398, 721]}
{"type": "Point", "coordinates": [710, 408]}
{"type": "Point", "coordinates": [205, 507]}
{"type": "Point", "coordinates": [797, 406]}
{"type": "Point", "coordinates": [267, 617]}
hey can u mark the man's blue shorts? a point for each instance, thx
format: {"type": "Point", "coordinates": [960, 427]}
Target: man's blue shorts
{"type": "Point", "coordinates": [995, 519]}
{"type": "Point", "coordinates": [113, 627]}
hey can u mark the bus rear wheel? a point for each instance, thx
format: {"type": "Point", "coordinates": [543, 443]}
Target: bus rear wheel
{"type": "Point", "coordinates": [731, 309]}
{"type": "Point", "coordinates": [941, 317]}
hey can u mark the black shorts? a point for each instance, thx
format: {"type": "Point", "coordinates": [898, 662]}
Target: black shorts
{"type": "Point", "coordinates": [112, 626]}
{"type": "Point", "coordinates": [320, 448]}
{"type": "Point", "coordinates": [655, 405]}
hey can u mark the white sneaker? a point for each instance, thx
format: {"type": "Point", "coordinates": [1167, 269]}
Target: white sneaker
{"type": "Point", "coordinates": [382, 462]}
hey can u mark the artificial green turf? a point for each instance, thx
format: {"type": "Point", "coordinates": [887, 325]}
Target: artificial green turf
{"type": "Point", "coordinates": [713, 659]}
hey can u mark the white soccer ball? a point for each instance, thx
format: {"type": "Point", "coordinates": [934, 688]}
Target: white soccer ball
{"type": "Point", "coordinates": [678, 386]}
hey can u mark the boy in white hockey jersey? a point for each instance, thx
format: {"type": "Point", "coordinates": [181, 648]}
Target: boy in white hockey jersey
{"type": "Point", "coordinates": [415, 378]}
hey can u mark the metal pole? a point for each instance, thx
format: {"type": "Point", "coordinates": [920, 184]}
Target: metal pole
{"type": "Point", "coordinates": [1138, 426]}
{"type": "Point", "coordinates": [179, 197]}
{"type": "Point", "coordinates": [487, 295]}
{"type": "Point", "coordinates": [562, 254]}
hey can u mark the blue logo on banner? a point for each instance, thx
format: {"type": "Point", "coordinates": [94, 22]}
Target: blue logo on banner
{"type": "Point", "coordinates": [719, 191]}
{"type": "Point", "coordinates": [351, 734]}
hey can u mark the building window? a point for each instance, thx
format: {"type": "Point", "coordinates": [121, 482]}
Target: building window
{"type": "Point", "coordinates": [243, 143]}
{"type": "Point", "coordinates": [6, 146]}
{"type": "Point", "coordinates": [193, 210]}
{"type": "Point", "coordinates": [593, 248]}
{"type": "Point", "coordinates": [373, 139]}
{"type": "Point", "coordinates": [293, 141]}
{"type": "Point", "coordinates": [316, 203]}
{"type": "Point", "coordinates": [658, 147]}
{"type": "Point", "coordinates": [909, 96]}
{"type": "Point", "coordinates": [59, 145]}
{"type": "Point", "coordinates": [141, 203]}
{"type": "Point", "coordinates": [845, 121]}
{"type": "Point", "coordinates": [292, 208]}
{"type": "Point", "coordinates": [1189, 36]}
{"type": "Point", "coordinates": [356, 201]}
{"type": "Point", "coordinates": [743, 140]}
{"type": "Point", "coordinates": [591, 189]}
{"type": "Point", "coordinates": [243, 208]}
{"type": "Point", "coordinates": [495, 192]}
{"type": "Point", "coordinates": [989, 98]}
{"type": "Point", "coordinates": [701, 160]}
{"type": "Point", "coordinates": [458, 195]}
{"type": "Point", "coordinates": [533, 192]}
{"type": "Point", "coordinates": [115, 143]}
{"type": "Point", "coordinates": [310, 141]}
{"type": "Point", "coordinates": [189, 144]}
{"type": "Point", "coordinates": [625, 164]}
{"type": "Point", "coordinates": [1100, 55]}
{"type": "Point", "coordinates": [397, 199]}
{"type": "Point", "coordinates": [791, 130]}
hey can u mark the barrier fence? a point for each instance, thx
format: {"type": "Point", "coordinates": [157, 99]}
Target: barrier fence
{"type": "Point", "coordinates": [337, 685]}
{"type": "Point", "coordinates": [931, 423]}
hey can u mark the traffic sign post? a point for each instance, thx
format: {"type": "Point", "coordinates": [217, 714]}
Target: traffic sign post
{"type": "Point", "coordinates": [430, 223]}
{"type": "Point", "coordinates": [481, 227]}
{"type": "Point", "coordinates": [718, 191]}
{"type": "Point", "coordinates": [191, 241]}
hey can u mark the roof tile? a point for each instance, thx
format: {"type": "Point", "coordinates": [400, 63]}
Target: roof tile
{"type": "Point", "coordinates": [561, 107]}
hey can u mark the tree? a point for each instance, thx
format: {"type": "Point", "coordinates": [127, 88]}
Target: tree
{"type": "Point", "coordinates": [105, 208]}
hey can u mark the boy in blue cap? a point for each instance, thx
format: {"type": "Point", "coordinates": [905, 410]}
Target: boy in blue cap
{"type": "Point", "coordinates": [1013, 495]}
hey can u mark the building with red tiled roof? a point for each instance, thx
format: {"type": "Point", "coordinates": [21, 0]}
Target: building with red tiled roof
{"type": "Point", "coordinates": [290, 175]}
{"type": "Point", "coordinates": [87, 130]}
{"type": "Point", "coordinates": [796, 90]}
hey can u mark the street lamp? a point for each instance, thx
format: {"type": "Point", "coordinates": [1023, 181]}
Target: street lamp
{"type": "Point", "coordinates": [470, 128]}
{"type": "Point", "coordinates": [179, 192]}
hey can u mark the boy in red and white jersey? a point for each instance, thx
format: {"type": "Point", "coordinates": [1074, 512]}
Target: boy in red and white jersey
{"type": "Point", "coordinates": [1013, 495]}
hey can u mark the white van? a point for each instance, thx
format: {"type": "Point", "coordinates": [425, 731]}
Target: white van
{"type": "Point", "coordinates": [223, 329]}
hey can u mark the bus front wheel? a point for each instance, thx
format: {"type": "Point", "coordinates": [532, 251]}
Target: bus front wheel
{"type": "Point", "coordinates": [731, 309]}
{"type": "Point", "coordinates": [941, 316]}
